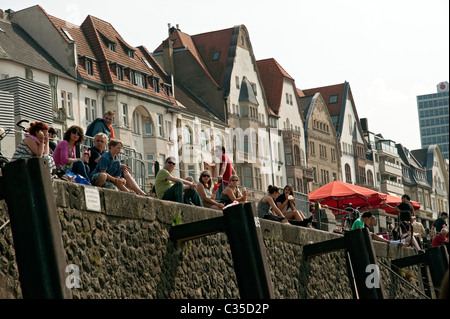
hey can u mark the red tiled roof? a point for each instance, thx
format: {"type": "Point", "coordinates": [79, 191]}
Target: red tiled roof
{"type": "Point", "coordinates": [208, 44]}
{"type": "Point", "coordinates": [326, 92]}
{"type": "Point", "coordinates": [92, 39]}
{"type": "Point", "coordinates": [272, 79]}
{"type": "Point", "coordinates": [335, 108]}
{"type": "Point", "coordinates": [273, 75]}
{"type": "Point", "coordinates": [183, 40]}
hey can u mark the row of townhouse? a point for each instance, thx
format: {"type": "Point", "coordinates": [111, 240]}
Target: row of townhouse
{"type": "Point", "coordinates": [196, 92]}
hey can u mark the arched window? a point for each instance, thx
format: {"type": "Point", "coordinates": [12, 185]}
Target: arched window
{"type": "Point", "coordinates": [218, 142]}
{"type": "Point", "coordinates": [302, 158]}
{"type": "Point", "coordinates": [187, 135]}
{"type": "Point", "coordinates": [142, 122]}
{"type": "Point", "coordinates": [204, 141]}
{"type": "Point", "coordinates": [348, 174]}
{"type": "Point", "coordinates": [297, 155]}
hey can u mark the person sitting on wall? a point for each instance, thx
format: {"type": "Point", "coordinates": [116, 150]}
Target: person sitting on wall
{"type": "Point", "coordinates": [441, 238]}
{"type": "Point", "coordinates": [65, 153]}
{"type": "Point", "coordinates": [437, 225]}
{"type": "Point", "coordinates": [204, 188]}
{"type": "Point", "coordinates": [96, 151]}
{"type": "Point", "coordinates": [232, 193]}
{"type": "Point", "coordinates": [108, 171]}
{"type": "Point", "coordinates": [418, 230]}
{"type": "Point", "coordinates": [267, 209]}
{"type": "Point", "coordinates": [52, 137]}
{"type": "Point", "coordinates": [361, 221]}
{"type": "Point", "coordinates": [286, 203]}
{"type": "Point", "coordinates": [370, 222]}
{"type": "Point", "coordinates": [102, 125]}
{"type": "Point", "coordinates": [35, 144]}
{"type": "Point", "coordinates": [100, 141]}
{"type": "Point", "coordinates": [169, 187]}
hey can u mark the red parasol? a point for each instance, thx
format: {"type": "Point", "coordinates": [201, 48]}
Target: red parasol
{"type": "Point", "coordinates": [336, 194]}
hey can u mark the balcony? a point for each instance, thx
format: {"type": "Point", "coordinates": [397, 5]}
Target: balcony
{"type": "Point", "coordinates": [388, 186]}
{"type": "Point", "coordinates": [59, 115]}
{"type": "Point", "coordinates": [387, 150]}
{"type": "Point", "coordinates": [390, 168]}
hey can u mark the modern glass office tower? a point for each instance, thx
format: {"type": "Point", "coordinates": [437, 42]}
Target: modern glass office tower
{"type": "Point", "coordinates": [433, 118]}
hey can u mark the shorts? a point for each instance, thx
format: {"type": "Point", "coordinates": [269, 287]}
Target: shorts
{"type": "Point", "coordinates": [107, 184]}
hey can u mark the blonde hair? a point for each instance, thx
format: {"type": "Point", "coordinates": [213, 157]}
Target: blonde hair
{"type": "Point", "coordinates": [103, 135]}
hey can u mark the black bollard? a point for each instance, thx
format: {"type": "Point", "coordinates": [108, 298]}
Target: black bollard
{"type": "Point", "coordinates": [437, 260]}
{"type": "Point", "coordinates": [366, 281]}
{"type": "Point", "coordinates": [28, 192]}
{"type": "Point", "coordinates": [248, 251]}
{"type": "Point", "coordinates": [246, 243]}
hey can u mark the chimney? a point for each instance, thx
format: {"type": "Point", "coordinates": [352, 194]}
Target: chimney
{"type": "Point", "coordinates": [364, 124]}
{"type": "Point", "coordinates": [168, 56]}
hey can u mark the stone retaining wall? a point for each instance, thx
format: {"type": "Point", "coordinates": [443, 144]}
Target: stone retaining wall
{"type": "Point", "coordinates": [124, 251]}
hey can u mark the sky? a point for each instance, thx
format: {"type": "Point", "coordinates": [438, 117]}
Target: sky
{"type": "Point", "coordinates": [389, 51]}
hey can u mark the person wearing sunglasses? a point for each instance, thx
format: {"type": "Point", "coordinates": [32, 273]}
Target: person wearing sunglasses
{"type": "Point", "coordinates": [65, 153]}
{"type": "Point", "coordinates": [204, 190]}
{"type": "Point", "coordinates": [35, 144]}
{"type": "Point", "coordinates": [169, 187]}
{"type": "Point", "coordinates": [232, 193]}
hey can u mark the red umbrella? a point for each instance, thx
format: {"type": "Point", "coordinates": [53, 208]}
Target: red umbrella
{"type": "Point", "coordinates": [394, 201]}
{"type": "Point", "coordinates": [336, 194]}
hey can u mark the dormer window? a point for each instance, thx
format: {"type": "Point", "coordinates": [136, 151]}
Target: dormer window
{"type": "Point", "coordinates": [119, 73]}
{"type": "Point", "coordinates": [112, 46]}
{"type": "Point", "coordinates": [131, 53]}
{"type": "Point", "coordinates": [138, 79]}
{"type": "Point", "coordinates": [156, 84]}
{"type": "Point", "coordinates": [216, 56]}
{"type": "Point", "coordinates": [167, 88]}
{"type": "Point", "coordinates": [89, 67]}
{"type": "Point", "coordinates": [333, 99]}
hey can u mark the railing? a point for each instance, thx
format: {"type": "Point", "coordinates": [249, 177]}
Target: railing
{"type": "Point", "coordinates": [392, 165]}
{"type": "Point", "coordinates": [387, 148]}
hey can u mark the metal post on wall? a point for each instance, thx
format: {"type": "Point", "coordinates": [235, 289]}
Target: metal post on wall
{"type": "Point", "coordinates": [436, 258]}
{"type": "Point", "coordinates": [363, 264]}
{"type": "Point", "coordinates": [362, 267]}
{"type": "Point", "coordinates": [27, 189]}
{"type": "Point", "coordinates": [247, 247]}
{"type": "Point", "coordinates": [248, 251]}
